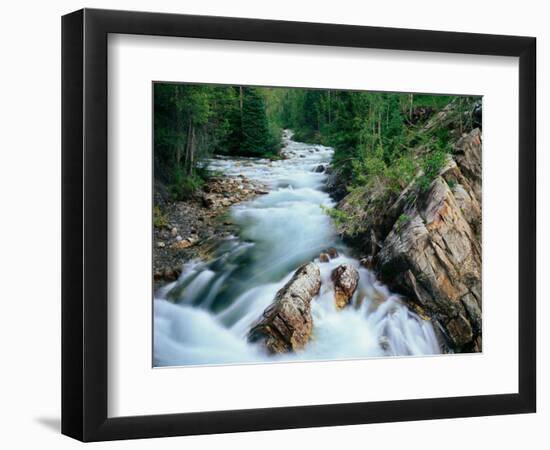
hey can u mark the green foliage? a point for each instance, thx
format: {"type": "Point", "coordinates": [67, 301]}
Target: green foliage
{"type": "Point", "coordinates": [452, 183]}
{"type": "Point", "coordinates": [378, 142]}
{"type": "Point", "coordinates": [191, 122]}
{"type": "Point", "coordinates": [254, 123]}
{"type": "Point", "coordinates": [160, 220]}
{"type": "Point", "coordinates": [366, 168]}
{"type": "Point", "coordinates": [402, 220]}
{"type": "Point", "coordinates": [182, 186]}
{"type": "Point", "coordinates": [188, 126]}
{"type": "Point", "coordinates": [401, 173]}
{"type": "Point", "coordinates": [436, 102]}
{"type": "Point", "coordinates": [432, 165]}
{"type": "Point", "coordinates": [188, 186]}
{"type": "Point", "coordinates": [372, 133]}
{"type": "Point", "coordinates": [340, 217]}
{"type": "Point", "coordinates": [256, 137]}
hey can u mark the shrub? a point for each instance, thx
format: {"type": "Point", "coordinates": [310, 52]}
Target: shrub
{"type": "Point", "coordinates": [341, 218]}
{"type": "Point", "coordinates": [160, 220]}
{"type": "Point", "coordinates": [432, 165]}
{"type": "Point", "coordinates": [402, 220]}
{"type": "Point", "coordinates": [365, 169]}
{"type": "Point", "coordinates": [400, 173]}
{"type": "Point", "coordinates": [183, 185]}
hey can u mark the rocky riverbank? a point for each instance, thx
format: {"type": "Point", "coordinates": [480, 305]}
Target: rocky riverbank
{"type": "Point", "coordinates": [185, 230]}
{"type": "Point", "coordinates": [425, 242]}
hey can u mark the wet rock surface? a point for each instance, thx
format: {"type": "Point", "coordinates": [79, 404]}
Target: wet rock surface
{"type": "Point", "coordinates": [328, 254]}
{"type": "Point", "coordinates": [320, 168]}
{"type": "Point", "coordinates": [345, 278]}
{"type": "Point", "coordinates": [286, 325]}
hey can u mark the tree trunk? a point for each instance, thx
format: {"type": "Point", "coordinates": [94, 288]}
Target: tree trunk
{"type": "Point", "coordinates": [192, 152]}
{"type": "Point", "coordinates": [329, 109]}
{"type": "Point", "coordinates": [241, 95]}
{"type": "Point", "coordinates": [179, 128]}
{"type": "Point", "coordinates": [187, 162]}
{"type": "Point", "coordinates": [460, 115]}
{"type": "Point", "coordinates": [241, 100]}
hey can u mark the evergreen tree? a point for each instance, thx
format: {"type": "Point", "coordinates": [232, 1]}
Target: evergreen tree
{"type": "Point", "coordinates": [234, 120]}
{"type": "Point", "coordinates": [255, 129]}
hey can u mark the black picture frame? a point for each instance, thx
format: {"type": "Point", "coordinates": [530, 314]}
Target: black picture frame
{"type": "Point", "coordinates": [84, 224]}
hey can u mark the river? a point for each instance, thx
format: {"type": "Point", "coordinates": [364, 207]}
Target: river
{"type": "Point", "coordinates": [203, 318]}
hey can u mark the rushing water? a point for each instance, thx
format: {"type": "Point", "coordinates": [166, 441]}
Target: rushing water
{"type": "Point", "coordinates": [204, 317]}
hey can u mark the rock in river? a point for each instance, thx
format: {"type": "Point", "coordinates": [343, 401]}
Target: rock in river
{"type": "Point", "coordinates": [319, 169]}
{"type": "Point", "coordinates": [345, 278]}
{"type": "Point", "coordinates": [287, 323]}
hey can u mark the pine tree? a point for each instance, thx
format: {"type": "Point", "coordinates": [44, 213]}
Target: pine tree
{"type": "Point", "coordinates": [233, 115]}
{"type": "Point", "coordinates": [255, 129]}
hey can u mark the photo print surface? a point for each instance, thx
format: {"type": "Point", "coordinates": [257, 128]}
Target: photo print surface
{"type": "Point", "coordinates": [295, 224]}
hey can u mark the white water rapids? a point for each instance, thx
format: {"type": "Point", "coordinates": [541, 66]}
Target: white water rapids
{"type": "Point", "coordinates": [203, 318]}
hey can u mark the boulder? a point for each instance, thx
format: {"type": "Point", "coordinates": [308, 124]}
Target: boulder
{"type": "Point", "coordinates": [435, 259]}
{"type": "Point", "coordinates": [181, 244]}
{"type": "Point", "coordinates": [208, 201]}
{"type": "Point", "coordinates": [468, 158]}
{"type": "Point", "coordinates": [169, 274]}
{"type": "Point", "coordinates": [158, 274]}
{"type": "Point", "coordinates": [286, 324]}
{"type": "Point", "coordinates": [335, 183]}
{"type": "Point", "coordinates": [327, 254]}
{"type": "Point", "coordinates": [319, 169]}
{"type": "Point", "coordinates": [345, 278]}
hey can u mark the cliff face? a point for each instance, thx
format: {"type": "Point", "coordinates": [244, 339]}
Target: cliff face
{"type": "Point", "coordinates": [427, 244]}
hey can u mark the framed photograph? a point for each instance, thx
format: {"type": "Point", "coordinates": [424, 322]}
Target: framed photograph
{"type": "Point", "coordinates": [273, 224]}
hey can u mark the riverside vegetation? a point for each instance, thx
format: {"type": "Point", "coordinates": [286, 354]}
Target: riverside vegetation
{"type": "Point", "coordinates": [356, 234]}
